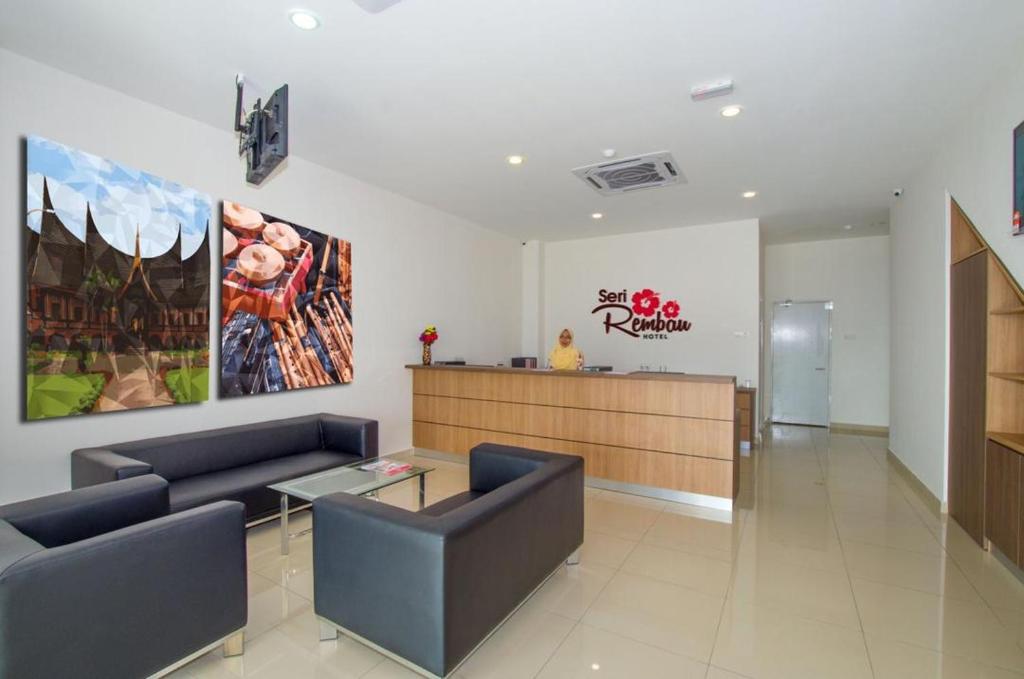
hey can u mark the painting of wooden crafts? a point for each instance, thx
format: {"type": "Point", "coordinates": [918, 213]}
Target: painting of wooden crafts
{"type": "Point", "coordinates": [118, 286]}
{"type": "Point", "coordinates": [287, 305]}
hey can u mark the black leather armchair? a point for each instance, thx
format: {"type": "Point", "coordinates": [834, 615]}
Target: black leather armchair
{"type": "Point", "coordinates": [232, 463]}
{"type": "Point", "coordinates": [104, 583]}
{"type": "Point", "coordinates": [428, 587]}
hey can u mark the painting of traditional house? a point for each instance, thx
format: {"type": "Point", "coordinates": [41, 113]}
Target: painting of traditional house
{"type": "Point", "coordinates": [118, 283]}
{"type": "Point", "coordinates": [286, 300]}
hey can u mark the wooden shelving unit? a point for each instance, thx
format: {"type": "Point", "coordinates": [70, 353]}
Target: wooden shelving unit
{"type": "Point", "coordinates": [1012, 441]}
{"type": "Point", "coordinates": [1015, 377]}
{"type": "Point", "coordinates": [964, 239]}
{"type": "Point", "coordinates": [986, 471]}
{"type": "Point", "coordinates": [1004, 411]}
{"type": "Point", "coordinates": [968, 254]}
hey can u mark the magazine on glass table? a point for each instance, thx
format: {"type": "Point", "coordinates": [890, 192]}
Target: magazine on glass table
{"type": "Point", "coordinates": [387, 467]}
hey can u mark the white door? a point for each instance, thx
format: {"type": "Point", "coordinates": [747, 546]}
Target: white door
{"type": "Point", "coordinates": [801, 339]}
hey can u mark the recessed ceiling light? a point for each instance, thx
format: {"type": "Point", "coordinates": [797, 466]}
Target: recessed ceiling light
{"type": "Point", "coordinates": [515, 160]}
{"type": "Point", "coordinates": [597, 215]}
{"type": "Point", "coordinates": [731, 111]}
{"type": "Point", "coordinates": [848, 227]}
{"type": "Point", "coordinates": [305, 20]}
{"type": "Point", "coordinates": [749, 194]}
{"type": "Point", "coordinates": [595, 667]}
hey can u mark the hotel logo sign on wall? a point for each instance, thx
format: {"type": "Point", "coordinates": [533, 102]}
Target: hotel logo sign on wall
{"type": "Point", "coordinates": [641, 315]}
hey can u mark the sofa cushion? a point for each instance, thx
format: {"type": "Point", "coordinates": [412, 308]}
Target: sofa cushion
{"type": "Point", "coordinates": [449, 503]}
{"type": "Point", "coordinates": [14, 546]}
{"type": "Point", "coordinates": [248, 484]}
{"type": "Point", "coordinates": [185, 455]}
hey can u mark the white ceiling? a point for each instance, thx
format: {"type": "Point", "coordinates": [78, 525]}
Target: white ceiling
{"type": "Point", "coordinates": [843, 98]}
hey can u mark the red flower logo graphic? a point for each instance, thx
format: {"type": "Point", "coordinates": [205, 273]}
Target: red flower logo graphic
{"type": "Point", "coordinates": [645, 302]}
{"type": "Point", "coordinates": [671, 309]}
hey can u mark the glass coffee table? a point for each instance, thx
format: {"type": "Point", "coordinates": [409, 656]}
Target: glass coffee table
{"type": "Point", "coordinates": [347, 479]}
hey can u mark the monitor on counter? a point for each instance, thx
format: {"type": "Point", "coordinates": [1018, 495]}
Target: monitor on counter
{"type": "Point", "coordinates": [524, 361]}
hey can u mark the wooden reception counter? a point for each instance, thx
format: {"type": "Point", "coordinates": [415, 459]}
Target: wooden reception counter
{"type": "Point", "coordinates": [661, 434]}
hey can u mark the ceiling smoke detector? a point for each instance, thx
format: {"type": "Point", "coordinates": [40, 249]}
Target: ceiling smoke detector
{"type": "Point", "coordinates": [632, 174]}
{"type": "Point", "coordinates": [719, 88]}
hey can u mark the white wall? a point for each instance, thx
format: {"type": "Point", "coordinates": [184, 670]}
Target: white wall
{"type": "Point", "coordinates": [412, 265]}
{"type": "Point", "coordinates": [533, 298]}
{"type": "Point", "coordinates": [762, 407]}
{"type": "Point", "coordinates": [712, 270]}
{"type": "Point", "coordinates": [973, 164]}
{"type": "Point", "coordinates": [853, 273]}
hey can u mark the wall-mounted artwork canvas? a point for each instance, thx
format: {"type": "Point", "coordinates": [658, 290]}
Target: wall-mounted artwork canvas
{"type": "Point", "coordinates": [1018, 180]}
{"type": "Point", "coordinates": [286, 294]}
{"type": "Point", "coordinates": [118, 277]}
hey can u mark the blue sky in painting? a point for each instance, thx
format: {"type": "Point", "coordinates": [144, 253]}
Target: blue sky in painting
{"type": "Point", "coordinates": [121, 199]}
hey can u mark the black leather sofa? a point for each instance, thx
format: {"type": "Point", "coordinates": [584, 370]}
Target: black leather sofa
{"type": "Point", "coordinates": [104, 583]}
{"type": "Point", "coordinates": [234, 463]}
{"type": "Point", "coordinates": [428, 587]}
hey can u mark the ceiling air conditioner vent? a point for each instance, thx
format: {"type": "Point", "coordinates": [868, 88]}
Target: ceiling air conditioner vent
{"type": "Point", "coordinates": [632, 174]}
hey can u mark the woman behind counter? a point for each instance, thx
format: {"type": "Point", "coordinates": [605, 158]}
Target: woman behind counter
{"type": "Point", "coordinates": [565, 355]}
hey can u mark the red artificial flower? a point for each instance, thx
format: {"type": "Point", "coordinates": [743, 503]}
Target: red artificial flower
{"type": "Point", "coordinates": [645, 302]}
{"type": "Point", "coordinates": [429, 335]}
{"type": "Point", "coordinates": [670, 309]}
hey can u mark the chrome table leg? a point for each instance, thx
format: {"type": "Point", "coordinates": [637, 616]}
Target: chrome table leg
{"type": "Point", "coordinates": [284, 523]}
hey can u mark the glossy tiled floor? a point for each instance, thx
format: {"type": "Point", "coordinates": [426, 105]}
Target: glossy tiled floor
{"type": "Point", "coordinates": [830, 568]}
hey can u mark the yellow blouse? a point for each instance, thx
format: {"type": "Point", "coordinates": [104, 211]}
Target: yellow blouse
{"type": "Point", "coordinates": [564, 358]}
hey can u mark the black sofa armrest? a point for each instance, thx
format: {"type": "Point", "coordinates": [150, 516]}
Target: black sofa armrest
{"type": "Point", "coordinates": [164, 589]}
{"type": "Point", "coordinates": [14, 546]}
{"type": "Point", "coordinates": [492, 465]}
{"type": "Point", "coordinates": [90, 466]}
{"type": "Point", "coordinates": [380, 574]}
{"type": "Point", "coordinates": [79, 514]}
{"type": "Point", "coordinates": [351, 435]}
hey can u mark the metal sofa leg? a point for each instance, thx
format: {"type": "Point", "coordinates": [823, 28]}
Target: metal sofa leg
{"type": "Point", "coordinates": [234, 645]}
{"type": "Point", "coordinates": [328, 632]}
{"type": "Point", "coordinates": [574, 558]}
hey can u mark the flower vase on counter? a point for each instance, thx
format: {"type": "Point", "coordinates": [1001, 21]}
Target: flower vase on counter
{"type": "Point", "coordinates": [428, 337]}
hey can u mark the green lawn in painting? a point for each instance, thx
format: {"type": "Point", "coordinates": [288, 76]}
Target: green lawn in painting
{"type": "Point", "coordinates": [189, 384]}
{"type": "Point", "coordinates": [58, 395]}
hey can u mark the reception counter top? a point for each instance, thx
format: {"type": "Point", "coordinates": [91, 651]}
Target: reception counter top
{"type": "Point", "coordinates": [660, 376]}
{"type": "Point", "coordinates": [668, 435]}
